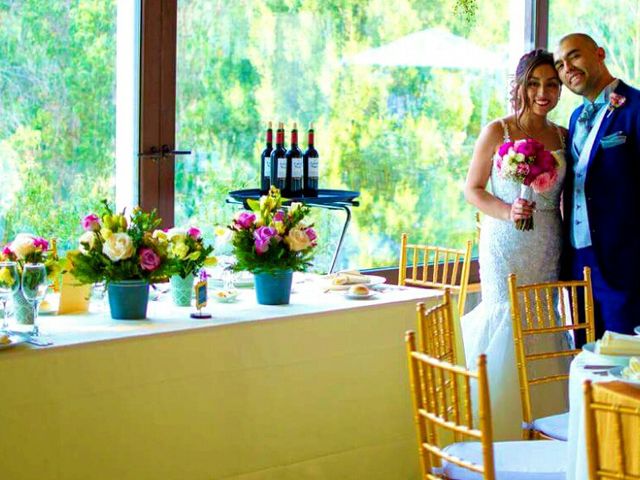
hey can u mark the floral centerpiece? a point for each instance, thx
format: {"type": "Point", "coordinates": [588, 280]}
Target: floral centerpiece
{"type": "Point", "coordinates": [28, 248]}
{"type": "Point", "coordinates": [186, 255]}
{"type": "Point", "coordinates": [528, 163]}
{"type": "Point", "coordinates": [126, 254]}
{"type": "Point", "coordinates": [272, 241]}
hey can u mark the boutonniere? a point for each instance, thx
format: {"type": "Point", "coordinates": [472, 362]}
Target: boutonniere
{"type": "Point", "coordinates": [615, 101]}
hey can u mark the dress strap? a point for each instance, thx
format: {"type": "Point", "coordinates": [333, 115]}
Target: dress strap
{"type": "Point", "coordinates": [506, 137]}
{"type": "Point", "coordinates": [564, 147]}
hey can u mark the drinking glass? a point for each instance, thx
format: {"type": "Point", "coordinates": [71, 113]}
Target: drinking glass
{"type": "Point", "coordinates": [34, 288]}
{"type": "Point", "coordinates": [9, 284]}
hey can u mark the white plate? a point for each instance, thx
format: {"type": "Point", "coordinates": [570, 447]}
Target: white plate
{"type": "Point", "coordinates": [355, 296]}
{"type": "Point", "coordinates": [617, 372]}
{"type": "Point", "coordinates": [637, 330]}
{"type": "Point", "coordinates": [231, 296]}
{"type": "Point", "coordinates": [590, 348]}
{"type": "Point", "coordinates": [15, 339]}
{"type": "Point", "coordinates": [373, 280]}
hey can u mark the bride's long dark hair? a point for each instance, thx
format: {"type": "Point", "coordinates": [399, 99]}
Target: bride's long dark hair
{"type": "Point", "coordinates": [526, 65]}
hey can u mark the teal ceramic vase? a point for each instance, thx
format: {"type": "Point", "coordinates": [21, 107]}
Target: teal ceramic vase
{"type": "Point", "coordinates": [273, 288]}
{"type": "Point", "coordinates": [23, 310]}
{"type": "Point", "coordinates": [128, 299]}
{"type": "Point", "coordinates": [181, 290]}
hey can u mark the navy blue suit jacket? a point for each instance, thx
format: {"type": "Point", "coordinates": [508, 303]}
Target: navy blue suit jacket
{"type": "Point", "coordinates": [612, 190]}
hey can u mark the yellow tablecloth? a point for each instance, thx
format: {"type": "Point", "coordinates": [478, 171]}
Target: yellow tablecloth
{"type": "Point", "coordinates": [316, 389]}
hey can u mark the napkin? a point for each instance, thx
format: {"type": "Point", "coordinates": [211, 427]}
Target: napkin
{"type": "Point", "coordinates": [351, 277]}
{"type": "Point", "coordinates": [613, 343]}
{"type": "Point", "coordinates": [632, 372]}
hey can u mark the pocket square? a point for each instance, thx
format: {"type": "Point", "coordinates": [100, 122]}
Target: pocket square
{"type": "Point", "coordinates": [613, 140]}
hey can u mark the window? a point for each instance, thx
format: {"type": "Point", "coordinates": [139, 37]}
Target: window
{"type": "Point", "coordinates": [613, 24]}
{"type": "Point", "coordinates": [57, 128]}
{"type": "Point", "coordinates": [397, 91]}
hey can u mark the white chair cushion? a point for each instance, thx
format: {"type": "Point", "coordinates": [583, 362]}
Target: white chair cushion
{"type": "Point", "coordinates": [524, 460]}
{"type": "Point", "coordinates": [555, 426]}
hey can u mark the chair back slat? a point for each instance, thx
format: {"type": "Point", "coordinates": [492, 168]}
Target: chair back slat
{"type": "Point", "coordinates": [612, 422]}
{"type": "Point", "coordinates": [551, 309]}
{"type": "Point", "coordinates": [441, 393]}
{"type": "Point", "coordinates": [440, 268]}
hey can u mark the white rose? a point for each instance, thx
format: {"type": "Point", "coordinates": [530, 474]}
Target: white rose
{"type": "Point", "coordinates": [87, 238]}
{"type": "Point", "coordinates": [118, 246]}
{"type": "Point", "coordinates": [297, 240]}
{"type": "Point", "coordinates": [23, 245]}
{"type": "Point", "coordinates": [176, 234]}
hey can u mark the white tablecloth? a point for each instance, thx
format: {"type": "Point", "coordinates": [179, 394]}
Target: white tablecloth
{"type": "Point", "coordinates": [576, 448]}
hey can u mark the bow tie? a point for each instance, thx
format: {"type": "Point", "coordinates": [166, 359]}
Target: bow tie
{"type": "Point", "coordinates": [588, 112]}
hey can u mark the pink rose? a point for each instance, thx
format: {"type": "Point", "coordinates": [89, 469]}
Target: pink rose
{"type": "Point", "coordinates": [522, 169]}
{"type": "Point", "coordinates": [6, 251]}
{"type": "Point", "coordinates": [41, 244]}
{"type": "Point", "coordinates": [262, 237]}
{"type": "Point", "coordinates": [504, 149]}
{"type": "Point", "coordinates": [244, 220]}
{"type": "Point", "coordinates": [545, 181]}
{"type": "Point", "coordinates": [194, 233]}
{"type": "Point", "coordinates": [525, 147]}
{"type": "Point", "coordinates": [311, 233]}
{"type": "Point", "coordinates": [279, 216]}
{"type": "Point", "coordinates": [91, 222]}
{"type": "Point", "coordinates": [546, 161]}
{"type": "Point", "coordinates": [149, 260]}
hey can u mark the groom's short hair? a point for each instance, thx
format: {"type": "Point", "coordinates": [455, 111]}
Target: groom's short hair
{"type": "Point", "coordinates": [583, 36]}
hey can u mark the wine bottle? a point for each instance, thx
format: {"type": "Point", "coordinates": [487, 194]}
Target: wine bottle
{"type": "Point", "coordinates": [311, 161]}
{"type": "Point", "coordinates": [265, 162]}
{"type": "Point", "coordinates": [279, 161]}
{"type": "Point", "coordinates": [295, 171]}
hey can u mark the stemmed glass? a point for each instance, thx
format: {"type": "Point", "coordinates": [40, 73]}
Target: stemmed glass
{"type": "Point", "coordinates": [34, 288]}
{"type": "Point", "coordinates": [9, 284]}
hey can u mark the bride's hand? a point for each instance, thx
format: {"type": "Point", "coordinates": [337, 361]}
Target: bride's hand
{"type": "Point", "coordinates": [521, 209]}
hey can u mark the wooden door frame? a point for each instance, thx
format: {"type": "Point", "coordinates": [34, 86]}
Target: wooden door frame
{"type": "Point", "coordinates": [157, 106]}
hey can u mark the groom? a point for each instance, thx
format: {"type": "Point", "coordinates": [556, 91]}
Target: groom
{"type": "Point", "coordinates": [602, 189]}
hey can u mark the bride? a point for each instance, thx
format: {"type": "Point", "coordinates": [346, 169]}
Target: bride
{"type": "Point", "coordinates": [534, 255]}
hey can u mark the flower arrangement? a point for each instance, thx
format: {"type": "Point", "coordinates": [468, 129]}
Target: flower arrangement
{"type": "Point", "coordinates": [186, 250]}
{"type": "Point", "coordinates": [528, 163]}
{"type": "Point", "coordinates": [27, 248]}
{"type": "Point", "coordinates": [271, 237]}
{"type": "Point", "coordinates": [113, 248]}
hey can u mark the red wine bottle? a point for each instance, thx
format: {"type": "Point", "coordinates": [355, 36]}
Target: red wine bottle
{"type": "Point", "coordinates": [295, 171]}
{"type": "Point", "coordinates": [279, 161]}
{"type": "Point", "coordinates": [311, 161]}
{"type": "Point", "coordinates": [265, 162]}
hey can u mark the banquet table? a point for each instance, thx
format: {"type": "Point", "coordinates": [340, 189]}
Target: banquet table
{"type": "Point", "coordinates": [578, 373]}
{"type": "Point", "coordinates": [314, 389]}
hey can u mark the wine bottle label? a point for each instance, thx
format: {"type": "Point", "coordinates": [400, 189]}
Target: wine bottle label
{"type": "Point", "coordinates": [267, 167]}
{"type": "Point", "coordinates": [282, 167]}
{"type": "Point", "coordinates": [296, 168]}
{"type": "Point", "coordinates": [313, 167]}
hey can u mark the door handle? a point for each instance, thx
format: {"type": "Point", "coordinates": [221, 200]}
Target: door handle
{"type": "Point", "coordinates": [156, 153]}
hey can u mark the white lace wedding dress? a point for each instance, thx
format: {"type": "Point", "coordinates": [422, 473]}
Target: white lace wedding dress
{"type": "Point", "coordinates": [534, 256]}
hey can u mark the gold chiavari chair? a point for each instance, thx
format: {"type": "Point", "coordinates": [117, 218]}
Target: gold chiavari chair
{"type": "Point", "coordinates": [436, 330]}
{"type": "Point", "coordinates": [450, 268]}
{"type": "Point", "coordinates": [612, 426]}
{"type": "Point", "coordinates": [548, 309]}
{"type": "Point", "coordinates": [442, 411]}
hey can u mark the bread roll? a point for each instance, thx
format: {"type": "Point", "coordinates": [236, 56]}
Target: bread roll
{"type": "Point", "coordinates": [359, 290]}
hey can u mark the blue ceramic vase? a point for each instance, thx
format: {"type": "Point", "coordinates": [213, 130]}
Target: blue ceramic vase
{"type": "Point", "coordinates": [128, 299]}
{"type": "Point", "coordinates": [181, 290]}
{"type": "Point", "coordinates": [273, 288]}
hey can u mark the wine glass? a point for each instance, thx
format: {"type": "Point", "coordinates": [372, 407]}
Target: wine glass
{"type": "Point", "coordinates": [34, 288]}
{"type": "Point", "coordinates": [9, 284]}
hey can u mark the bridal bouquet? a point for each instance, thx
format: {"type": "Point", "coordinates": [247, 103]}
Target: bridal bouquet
{"type": "Point", "coordinates": [528, 163]}
{"type": "Point", "coordinates": [271, 237]}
